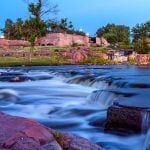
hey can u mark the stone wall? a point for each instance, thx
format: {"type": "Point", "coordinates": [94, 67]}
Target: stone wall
{"type": "Point", "coordinates": [143, 59]}
{"type": "Point", "coordinates": [12, 44]}
{"type": "Point", "coordinates": [5, 42]}
{"type": "Point", "coordinates": [63, 39]}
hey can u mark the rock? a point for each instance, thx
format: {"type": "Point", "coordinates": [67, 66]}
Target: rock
{"type": "Point", "coordinates": [78, 42]}
{"type": "Point", "coordinates": [71, 142]}
{"type": "Point", "coordinates": [12, 44]}
{"type": "Point", "coordinates": [19, 79]}
{"type": "Point", "coordinates": [143, 59]}
{"type": "Point", "coordinates": [18, 133]}
{"type": "Point", "coordinates": [130, 115]}
{"type": "Point", "coordinates": [52, 146]}
{"type": "Point", "coordinates": [102, 42]}
{"type": "Point", "coordinates": [78, 56]}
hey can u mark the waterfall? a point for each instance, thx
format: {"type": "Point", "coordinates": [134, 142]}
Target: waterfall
{"type": "Point", "coordinates": [80, 79]}
{"type": "Point", "coordinates": [102, 97]}
{"type": "Point", "coordinates": [145, 121]}
{"type": "Point", "coordinates": [146, 145]}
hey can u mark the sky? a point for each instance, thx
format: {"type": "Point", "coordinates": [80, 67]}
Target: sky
{"type": "Point", "coordinates": [88, 15]}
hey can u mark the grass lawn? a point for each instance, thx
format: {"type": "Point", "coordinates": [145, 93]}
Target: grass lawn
{"type": "Point", "coordinates": [36, 61]}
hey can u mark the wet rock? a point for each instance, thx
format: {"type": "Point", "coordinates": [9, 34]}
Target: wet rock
{"type": "Point", "coordinates": [130, 115]}
{"type": "Point", "coordinates": [52, 146]}
{"type": "Point", "coordinates": [140, 85]}
{"type": "Point", "coordinates": [18, 133]}
{"type": "Point", "coordinates": [6, 76]}
{"type": "Point", "coordinates": [82, 79]}
{"type": "Point", "coordinates": [71, 142]}
{"type": "Point", "coordinates": [20, 79]}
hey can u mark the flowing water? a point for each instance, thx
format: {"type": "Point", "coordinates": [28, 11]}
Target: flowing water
{"type": "Point", "coordinates": [75, 99]}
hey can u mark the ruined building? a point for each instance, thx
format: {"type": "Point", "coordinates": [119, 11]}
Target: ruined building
{"type": "Point", "coordinates": [64, 39]}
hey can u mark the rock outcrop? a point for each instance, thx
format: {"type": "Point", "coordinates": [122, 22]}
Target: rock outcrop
{"type": "Point", "coordinates": [143, 59]}
{"type": "Point", "coordinates": [12, 44]}
{"type": "Point", "coordinates": [18, 133]}
{"type": "Point", "coordinates": [102, 42]}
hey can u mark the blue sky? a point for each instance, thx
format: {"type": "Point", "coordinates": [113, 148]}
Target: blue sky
{"type": "Point", "coordinates": [86, 14]}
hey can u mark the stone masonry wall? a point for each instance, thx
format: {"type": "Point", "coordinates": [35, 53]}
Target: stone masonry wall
{"type": "Point", "coordinates": [63, 39]}
{"type": "Point", "coordinates": [12, 44]}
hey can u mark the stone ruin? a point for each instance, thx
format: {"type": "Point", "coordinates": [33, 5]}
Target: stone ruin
{"type": "Point", "coordinates": [64, 39]}
{"type": "Point", "coordinates": [56, 39]}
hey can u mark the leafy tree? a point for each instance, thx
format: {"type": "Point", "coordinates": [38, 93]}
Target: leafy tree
{"type": "Point", "coordinates": [9, 29]}
{"type": "Point", "coordinates": [141, 35]}
{"type": "Point", "coordinates": [64, 26]}
{"type": "Point", "coordinates": [41, 8]}
{"type": "Point", "coordinates": [33, 29]}
{"type": "Point", "coordinates": [35, 26]}
{"type": "Point", "coordinates": [115, 34]}
{"type": "Point", "coordinates": [18, 29]}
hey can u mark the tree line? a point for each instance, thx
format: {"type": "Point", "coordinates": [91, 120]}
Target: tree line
{"type": "Point", "coordinates": [119, 36]}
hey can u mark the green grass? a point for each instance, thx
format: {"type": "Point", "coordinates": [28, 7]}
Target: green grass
{"type": "Point", "coordinates": [53, 59]}
{"type": "Point", "coordinates": [50, 48]}
{"type": "Point", "coordinates": [36, 61]}
{"type": "Point", "coordinates": [95, 61]}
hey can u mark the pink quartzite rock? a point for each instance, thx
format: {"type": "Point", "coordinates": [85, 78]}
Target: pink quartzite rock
{"type": "Point", "coordinates": [143, 59]}
{"type": "Point", "coordinates": [5, 42]}
{"type": "Point", "coordinates": [18, 133]}
{"type": "Point", "coordinates": [78, 56]}
{"type": "Point", "coordinates": [78, 143]}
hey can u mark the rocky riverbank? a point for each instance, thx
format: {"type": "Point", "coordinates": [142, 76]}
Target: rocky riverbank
{"type": "Point", "coordinates": [18, 133]}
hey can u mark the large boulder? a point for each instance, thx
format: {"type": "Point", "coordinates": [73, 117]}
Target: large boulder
{"type": "Point", "coordinates": [18, 133]}
{"type": "Point", "coordinates": [129, 115]}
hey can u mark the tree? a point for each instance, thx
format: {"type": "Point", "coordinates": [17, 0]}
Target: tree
{"type": "Point", "coordinates": [61, 26]}
{"type": "Point", "coordinates": [33, 29]}
{"type": "Point", "coordinates": [18, 29]}
{"type": "Point", "coordinates": [64, 26]}
{"type": "Point", "coordinates": [9, 29]}
{"type": "Point", "coordinates": [115, 34]}
{"type": "Point", "coordinates": [35, 26]}
{"type": "Point", "coordinates": [141, 35]}
{"type": "Point", "coordinates": [41, 8]}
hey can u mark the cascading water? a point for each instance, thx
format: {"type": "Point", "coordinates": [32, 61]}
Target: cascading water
{"type": "Point", "coordinates": [145, 121]}
{"type": "Point", "coordinates": [69, 99]}
{"type": "Point", "coordinates": [102, 98]}
{"type": "Point", "coordinates": [146, 145]}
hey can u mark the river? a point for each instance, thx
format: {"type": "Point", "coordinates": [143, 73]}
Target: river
{"type": "Point", "coordinates": [75, 99]}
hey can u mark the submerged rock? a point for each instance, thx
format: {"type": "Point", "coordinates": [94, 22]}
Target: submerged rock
{"type": "Point", "coordinates": [20, 79]}
{"type": "Point", "coordinates": [18, 133]}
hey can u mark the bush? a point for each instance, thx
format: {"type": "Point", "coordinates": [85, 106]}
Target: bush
{"type": "Point", "coordinates": [95, 61]}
